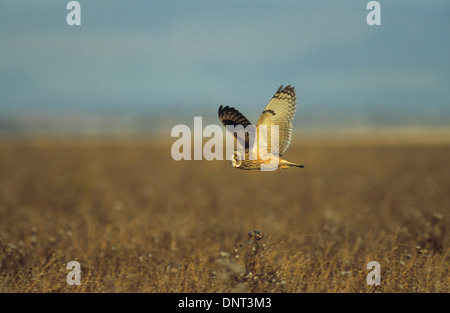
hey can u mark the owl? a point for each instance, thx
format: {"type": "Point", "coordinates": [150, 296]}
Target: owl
{"type": "Point", "coordinates": [280, 112]}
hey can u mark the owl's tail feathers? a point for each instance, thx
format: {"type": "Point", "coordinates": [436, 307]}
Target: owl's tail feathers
{"type": "Point", "coordinates": [286, 164]}
{"type": "Point", "coordinates": [296, 165]}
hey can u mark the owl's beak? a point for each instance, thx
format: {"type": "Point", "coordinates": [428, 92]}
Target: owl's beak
{"type": "Point", "coordinates": [234, 160]}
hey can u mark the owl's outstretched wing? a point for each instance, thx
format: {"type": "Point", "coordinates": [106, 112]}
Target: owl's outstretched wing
{"type": "Point", "coordinates": [280, 111]}
{"type": "Point", "coordinates": [231, 116]}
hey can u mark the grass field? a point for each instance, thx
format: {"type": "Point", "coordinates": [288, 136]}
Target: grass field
{"type": "Point", "coordinates": [138, 221]}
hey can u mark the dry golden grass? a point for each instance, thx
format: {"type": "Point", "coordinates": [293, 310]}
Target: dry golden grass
{"type": "Point", "coordinates": [137, 221]}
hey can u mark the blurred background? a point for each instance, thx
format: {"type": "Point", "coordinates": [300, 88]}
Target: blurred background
{"type": "Point", "coordinates": [139, 221]}
{"type": "Point", "coordinates": [136, 67]}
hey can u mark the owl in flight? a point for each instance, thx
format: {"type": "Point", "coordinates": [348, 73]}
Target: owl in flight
{"type": "Point", "coordinates": [279, 112]}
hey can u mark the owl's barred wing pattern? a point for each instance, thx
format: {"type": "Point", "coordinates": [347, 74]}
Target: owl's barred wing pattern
{"type": "Point", "coordinates": [280, 111]}
{"type": "Point", "coordinates": [231, 116]}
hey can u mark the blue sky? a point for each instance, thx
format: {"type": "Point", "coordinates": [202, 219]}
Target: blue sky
{"type": "Point", "coordinates": [185, 58]}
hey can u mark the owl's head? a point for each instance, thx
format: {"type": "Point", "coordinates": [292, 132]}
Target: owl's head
{"type": "Point", "coordinates": [236, 159]}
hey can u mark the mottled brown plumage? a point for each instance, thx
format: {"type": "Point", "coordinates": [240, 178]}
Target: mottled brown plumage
{"type": "Point", "coordinates": [280, 111]}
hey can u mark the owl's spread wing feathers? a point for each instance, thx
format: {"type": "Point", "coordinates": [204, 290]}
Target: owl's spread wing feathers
{"type": "Point", "coordinates": [231, 116]}
{"type": "Point", "coordinates": [280, 111]}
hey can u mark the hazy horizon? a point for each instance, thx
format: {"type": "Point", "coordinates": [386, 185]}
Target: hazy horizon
{"type": "Point", "coordinates": [154, 64]}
